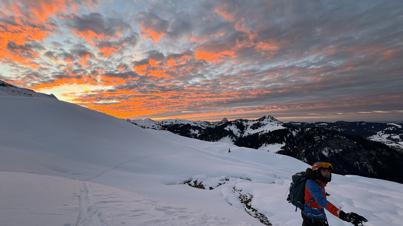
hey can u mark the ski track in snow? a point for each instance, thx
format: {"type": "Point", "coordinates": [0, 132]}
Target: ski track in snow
{"type": "Point", "coordinates": [88, 214]}
{"type": "Point", "coordinates": [98, 206]}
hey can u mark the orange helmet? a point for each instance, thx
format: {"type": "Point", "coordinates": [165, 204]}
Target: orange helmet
{"type": "Point", "coordinates": [322, 165]}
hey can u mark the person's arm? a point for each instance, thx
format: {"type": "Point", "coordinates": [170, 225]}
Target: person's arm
{"type": "Point", "coordinates": [316, 193]}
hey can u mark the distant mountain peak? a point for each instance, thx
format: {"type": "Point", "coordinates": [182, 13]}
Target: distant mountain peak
{"type": "Point", "coordinates": [268, 118]}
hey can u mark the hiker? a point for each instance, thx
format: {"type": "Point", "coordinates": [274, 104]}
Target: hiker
{"type": "Point", "coordinates": [314, 197]}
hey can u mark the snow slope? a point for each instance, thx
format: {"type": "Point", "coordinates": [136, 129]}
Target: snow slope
{"type": "Point", "coordinates": [61, 164]}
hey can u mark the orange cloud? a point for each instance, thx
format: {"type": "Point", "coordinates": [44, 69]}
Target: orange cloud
{"type": "Point", "coordinates": [103, 80]}
{"type": "Point", "coordinates": [213, 56]}
{"type": "Point", "coordinates": [120, 103]}
{"type": "Point", "coordinates": [84, 59]}
{"type": "Point", "coordinates": [152, 68]}
{"type": "Point", "coordinates": [173, 60]}
{"type": "Point", "coordinates": [159, 73]}
{"type": "Point", "coordinates": [90, 36]}
{"type": "Point", "coordinates": [20, 34]}
{"type": "Point", "coordinates": [267, 46]}
{"type": "Point", "coordinates": [110, 47]}
{"type": "Point", "coordinates": [37, 12]}
{"type": "Point", "coordinates": [140, 69]}
{"type": "Point", "coordinates": [26, 21]}
{"type": "Point", "coordinates": [107, 50]}
{"type": "Point", "coordinates": [122, 68]}
{"type": "Point", "coordinates": [198, 39]}
{"type": "Point", "coordinates": [62, 81]}
{"type": "Point", "coordinates": [151, 33]}
{"type": "Point", "coordinates": [128, 109]}
{"type": "Point", "coordinates": [147, 70]}
{"type": "Point", "coordinates": [43, 10]}
{"type": "Point", "coordinates": [153, 62]}
{"type": "Point", "coordinates": [226, 15]}
{"type": "Point", "coordinates": [108, 35]}
{"type": "Point", "coordinates": [134, 104]}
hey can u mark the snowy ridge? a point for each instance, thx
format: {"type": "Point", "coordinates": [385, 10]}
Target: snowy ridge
{"type": "Point", "coordinates": [390, 133]}
{"type": "Point", "coordinates": [67, 165]}
{"type": "Point", "coordinates": [152, 124]}
{"type": "Point", "coordinates": [146, 123]}
{"type": "Point", "coordinates": [239, 127]}
{"type": "Point", "coordinates": [7, 89]}
{"type": "Point", "coordinates": [392, 140]}
{"type": "Point", "coordinates": [394, 124]}
{"type": "Point", "coordinates": [264, 124]}
{"type": "Point", "coordinates": [184, 122]}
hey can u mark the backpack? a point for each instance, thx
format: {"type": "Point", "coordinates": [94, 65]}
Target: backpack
{"type": "Point", "coordinates": [297, 190]}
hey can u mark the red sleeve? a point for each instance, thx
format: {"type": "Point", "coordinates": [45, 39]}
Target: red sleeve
{"type": "Point", "coordinates": [332, 209]}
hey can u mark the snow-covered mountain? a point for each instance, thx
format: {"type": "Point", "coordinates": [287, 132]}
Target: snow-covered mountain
{"type": "Point", "coordinates": [388, 137]}
{"type": "Point", "coordinates": [390, 134]}
{"type": "Point", "coordinates": [62, 164]}
{"type": "Point", "coordinates": [151, 124]}
{"type": "Point", "coordinates": [213, 131]}
{"type": "Point", "coordinates": [350, 146]}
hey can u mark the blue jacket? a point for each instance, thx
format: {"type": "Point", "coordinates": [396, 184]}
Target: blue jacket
{"type": "Point", "coordinates": [316, 202]}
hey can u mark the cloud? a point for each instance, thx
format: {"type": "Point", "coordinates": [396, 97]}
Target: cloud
{"type": "Point", "coordinates": [150, 68]}
{"type": "Point", "coordinates": [108, 48]}
{"type": "Point", "coordinates": [72, 87]}
{"type": "Point", "coordinates": [153, 27]}
{"type": "Point", "coordinates": [27, 50]}
{"type": "Point", "coordinates": [94, 26]}
{"type": "Point", "coordinates": [109, 35]}
{"type": "Point", "coordinates": [24, 22]}
{"type": "Point", "coordinates": [17, 40]}
{"type": "Point", "coordinates": [40, 11]}
{"type": "Point", "coordinates": [213, 53]}
{"type": "Point", "coordinates": [171, 67]}
{"type": "Point", "coordinates": [211, 59]}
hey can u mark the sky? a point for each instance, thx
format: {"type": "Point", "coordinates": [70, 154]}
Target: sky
{"type": "Point", "coordinates": [207, 60]}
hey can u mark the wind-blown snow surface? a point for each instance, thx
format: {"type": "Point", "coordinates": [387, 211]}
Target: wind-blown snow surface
{"type": "Point", "coordinates": [61, 164]}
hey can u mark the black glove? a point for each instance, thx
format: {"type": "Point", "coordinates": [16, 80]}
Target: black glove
{"type": "Point", "coordinates": [344, 216]}
{"type": "Point", "coordinates": [352, 217]}
{"type": "Point", "coordinates": [357, 219]}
